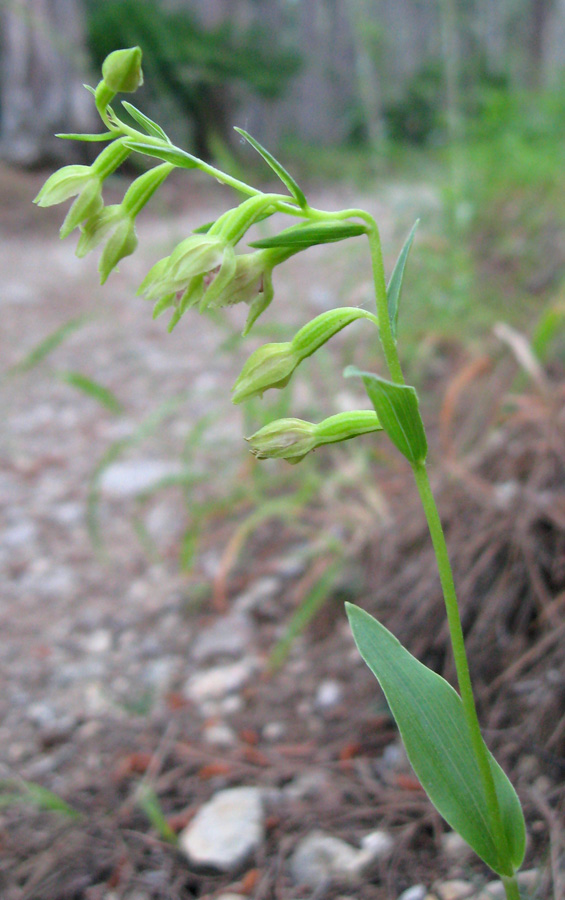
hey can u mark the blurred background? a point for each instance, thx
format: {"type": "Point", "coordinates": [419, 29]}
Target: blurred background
{"type": "Point", "coordinates": [172, 610]}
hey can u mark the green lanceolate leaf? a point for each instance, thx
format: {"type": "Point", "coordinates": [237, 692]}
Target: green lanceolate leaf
{"type": "Point", "coordinates": [431, 721]}
{"type": "Point", "coordinates": [279, 170]}
{"type": "Point", "coordinates": [309, 235]}
{"type": "Point", "coordinates": [146, 123]}
{"type": "Point", "coordinates": [171, 154]}
{"type": "Point", "coordinates": [105, 136]}
{"type": "Point", "coordinates": [395, 283]}
{"type": "Point", "coordinates": [398, 410]}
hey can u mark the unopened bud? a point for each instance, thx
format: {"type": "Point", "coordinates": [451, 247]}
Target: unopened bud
{"type": "Point", "coordinates": [65, 183]}
{"type": "Point", "coordinates": [292, 439]}
{"type": "Point", "coordinates": [121, 70]}
{"type": "Point", "coordinates": [123, 242]}
{"type": "Point", "coordinates": [271, 366]}
{"type": "Point", "coordinates": [289, 439]}
{"type": "Point", "coordinates": [88, 203]}
{"type": "Point", "coordinates": [97, 228]}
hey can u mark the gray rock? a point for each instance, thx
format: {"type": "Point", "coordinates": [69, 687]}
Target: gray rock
{"type": "Point", "coordinates": [219, 681]}
{"type": "Point", "coordinates": [455, 890]}
{"type": "Point", "coordinates": [416, 892]}
{"type": "Point", "coordinates": [226, 831]}
{"type": "Point", "coordinates": [128, 479]}
{"type": "Point", "coordinates": [320, 859]}
{"type": "Point", "coordinates": [228, 636]}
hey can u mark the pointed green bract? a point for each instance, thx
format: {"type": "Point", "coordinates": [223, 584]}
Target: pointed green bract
{"type": "Point", "coordinates": [146, 123]}
{"type": "Point", "coordinates": [399, 413]}
{"type": "Point", "coordinates": [304, 236]}
{"type": "Point", "coordinates": [395, 283]}
{"type": "Point", "coordinates": [104, 136]}
{"type": "Point", "coordinates": [431, 721]}
{"type": "Point", "coordinates": [171, 154]}
{"type": "Point", "coordinates": [277, 168]}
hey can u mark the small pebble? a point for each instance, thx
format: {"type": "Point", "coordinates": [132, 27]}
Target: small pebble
{"type": "Point", "coordinates": [226, 831]}
{"type": "Point", "coordinates": [220, 735]}
{"type": "Point", "coordinates": [329, 694]}
{"type": "Point", "coordinates": [416, 892]}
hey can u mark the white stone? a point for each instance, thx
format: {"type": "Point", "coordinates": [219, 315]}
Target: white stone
{"type": "Point", "coordinates": [220, 735]}
{"type": "Point", "coordinates": [455, 890]}
{"type": "Point", "coordinates": [329, 694]}
{"type": "Point", "coordinates": [374, 846]}
{"type": "Point", "coordinates": [226, 831]}
{"type": "Point", "coordinates": [273, 731]}
{"type": "Point", "coordinates": [99, 641]}
{"type": "Point", "coordinates": [128, 479]}
{"type": "Point", "coordinates": [320, 859]}
{"type": "Point", "coordinates": [219, 681]}
{"type": "Point", "coordinates": [416, 892]}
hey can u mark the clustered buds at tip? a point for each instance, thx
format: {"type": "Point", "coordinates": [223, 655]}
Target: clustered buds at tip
{"type": "Point", "coordinates": [121, 70]}
{"type": "Point", "coordinates": [293, 439]}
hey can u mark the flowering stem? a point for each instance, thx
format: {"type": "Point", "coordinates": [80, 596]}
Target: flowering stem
{"type": "Point", "coordinates": [444, 566]}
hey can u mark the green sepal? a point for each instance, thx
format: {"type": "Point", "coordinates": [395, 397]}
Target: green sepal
{"type": "Point", "coordinates": [105, 136]}
{"type": "Point", "coordinates": [162, 304]}
{"type": "Point", "coordinates": [304, 236]}
{"type": "Point", "coordinates": [174, 155]}
{"type": "Point", "coordinates": [277, 168]}
{"type": "Point", "coordinates": [395, 283]}
{"type": "Point", "coordinates": [432, 724]}
{"type": "Point", "coordinates": [398, 410]}
{"type": "Point", "coordinates": [146, 123]}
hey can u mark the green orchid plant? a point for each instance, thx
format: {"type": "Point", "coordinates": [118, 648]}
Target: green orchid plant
{"type": "Point", "coordinates": [438, 725]}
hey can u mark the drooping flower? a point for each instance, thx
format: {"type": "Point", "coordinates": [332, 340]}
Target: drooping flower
{"type": "Point", "coordinates": [293, 439]}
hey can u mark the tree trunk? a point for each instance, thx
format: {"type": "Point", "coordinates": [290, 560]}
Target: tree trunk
{"type": "Point", "coordinates": [42, 68]}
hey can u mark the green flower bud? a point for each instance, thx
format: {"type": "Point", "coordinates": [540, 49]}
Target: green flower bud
{"type": "Point", "coordinates": [292, 439]}
{"type": "Point", "coordinates": [65, 183]}
{"type": "Point", "coordinates": [88, 203]}
{"type": "Point", "coordinates": [97, 228]}
{"type": "Point", "coordinates": [110, 159]}
{"type": "Point", "coordinates": [198, 254]}
{"type": "Point", "coordinates": [234, 223]}
{"type": "Point", "coordinates": [271, 366]}
{"type": "Point", "coordinates": [121, 70]}
{"type": "Point", "coordinates": [142, 189]}
{"type": "Point", "coordinates": [289, 439]}
{"type": "Point", "coordinates": [257, 373]}
{"type": "Point", "coordinates": [123, 242]}
{"type": "Point", "coordinates": [246, 283]}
